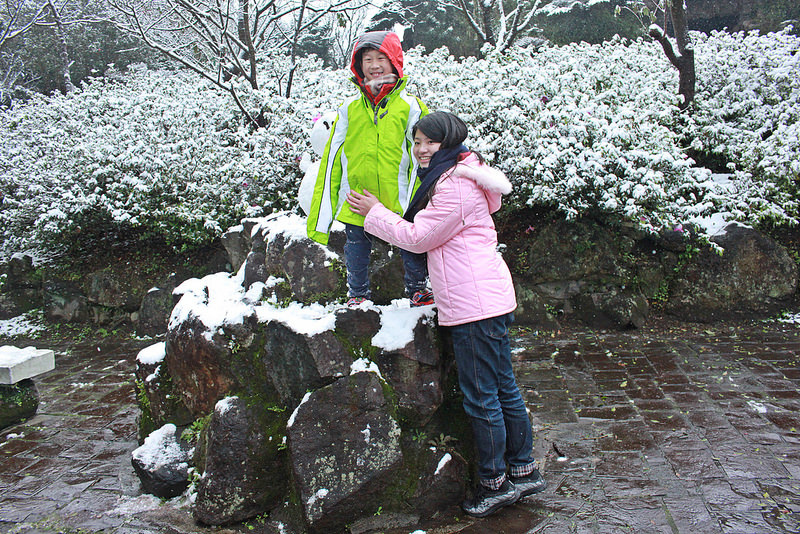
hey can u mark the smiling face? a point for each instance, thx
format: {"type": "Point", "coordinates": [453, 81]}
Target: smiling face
{"type": "Point", "coordinates": [424, 148]}
{"type": "Point", "coordinates": [374, 64]}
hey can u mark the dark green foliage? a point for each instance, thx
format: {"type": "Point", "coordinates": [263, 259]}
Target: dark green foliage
{"type": "Point", "coordinates": [592, 24]}
{"type": "Point", "coordinates": [429, 24]}
{"type": "Point", "coordinates": [92, 49]}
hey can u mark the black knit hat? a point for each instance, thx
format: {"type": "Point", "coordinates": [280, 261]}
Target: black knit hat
{"type": "Point", "coordinates": [442, 127]}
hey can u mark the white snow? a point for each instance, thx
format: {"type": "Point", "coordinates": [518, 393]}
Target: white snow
{"type": "Point", "coordinates": [308, 320]}
{"type": "Point", "coordinates": [224, 405]}
{"type": "Point", "coordinates": [294, 413]}
{"type": "Point", "coordinates": [579, 127]}
{"type": "Point", "coordinates": [161, 448]}
{"type": "Point", "coordinates": [442, 462]}
{"type": "Point", "coordinates": [363, 364]}
{"type": "Point", "coordinates": [22, 325]}
{"type": "Point", "coordinates": [153, 354]}
{"type": "Point", "coordinates": [397, 325]}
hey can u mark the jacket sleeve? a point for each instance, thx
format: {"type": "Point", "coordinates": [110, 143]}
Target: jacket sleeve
{"type": "Point", "coordinates": [325, 200]}
{"type": "Point", "coordinates": [442, 219]}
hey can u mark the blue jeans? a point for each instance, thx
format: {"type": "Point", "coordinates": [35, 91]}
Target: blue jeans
{"type": "Point", "coordinates": [357, 249]}
{"type": "Point", "coordinates": [492, 400]}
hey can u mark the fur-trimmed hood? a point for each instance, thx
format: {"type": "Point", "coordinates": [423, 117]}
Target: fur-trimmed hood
{"type": "Point", "coordinates": [491, 180]}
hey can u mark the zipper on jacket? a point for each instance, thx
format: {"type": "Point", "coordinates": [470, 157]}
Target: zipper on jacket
{"type": "Point", "coordinates": [381, 104]}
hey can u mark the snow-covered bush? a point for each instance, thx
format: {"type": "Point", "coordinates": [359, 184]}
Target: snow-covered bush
{"type": "Point", "coordinates": [584, 129]}
{"type": "Point", "coordinates": [587, 129]}
{"type": "Point", "coordinates": [159, 151]}
{"type": "Point", "coordinates": [747, 111]}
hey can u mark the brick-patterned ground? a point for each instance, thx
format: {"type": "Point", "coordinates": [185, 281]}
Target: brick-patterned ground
{"type": "Point", "coordinates": [688, 429]}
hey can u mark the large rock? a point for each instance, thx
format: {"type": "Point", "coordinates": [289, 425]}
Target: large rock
{"type": "Point", "coordinates": [610, 278]}
{"type": "Point", "coordinates": [577, 270]}
{"type": "Point", "coordinates": [244, 467]}
{"type": "Point", "coordinates": [752, 274]}
{"type": "Point", "coordinates": [345, 474]}
{"type": "Point", "coordinates": [225, 341]}
{"type": "Point", "coordinates": [278, 247]}
{"type": "Point", "coordinates": [110, 290]}
{"type": "Point", "coordinates": [199, 363]}
{"type": "Point", "coordinates": [65, 302]}
{"type": "Point", "coordinates": [155, 308]}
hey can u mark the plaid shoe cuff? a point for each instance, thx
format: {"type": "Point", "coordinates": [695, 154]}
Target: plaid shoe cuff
{"type": "Point", "coordinates": [494, 483]}
{"type": "Point", "coordinates": [519, 471]}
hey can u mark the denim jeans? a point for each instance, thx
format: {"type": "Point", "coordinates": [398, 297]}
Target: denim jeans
{"type": "Point", "coordinates": [357, 249]}
{"type": "Point", "coordinates": [492, 400]}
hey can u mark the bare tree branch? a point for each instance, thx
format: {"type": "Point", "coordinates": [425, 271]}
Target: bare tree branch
{"type": "Point", "coordinates": [15, 23]}
{"type": "Point", "coordinates": [222, 39]}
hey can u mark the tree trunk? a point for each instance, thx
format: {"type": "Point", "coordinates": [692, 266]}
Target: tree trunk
{"type": "Point", "coordinates": [683, 59]}
{"type": "Point", "coordinates": [686, 71]}
{"type": "Point", "coordinates": [64, 53]}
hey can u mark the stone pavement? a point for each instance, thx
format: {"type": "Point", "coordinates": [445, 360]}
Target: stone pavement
{"type": "Point", "coordinates": [672, 429]}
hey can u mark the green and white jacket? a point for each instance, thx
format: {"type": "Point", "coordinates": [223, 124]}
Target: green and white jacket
{"type": "Point", "coordinates": [369, 148]}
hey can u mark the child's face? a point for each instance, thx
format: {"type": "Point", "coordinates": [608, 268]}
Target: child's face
{"type": "Point", "coordinates": [424, 148]}
{"type": "Point", "coordinates": [375, 64]}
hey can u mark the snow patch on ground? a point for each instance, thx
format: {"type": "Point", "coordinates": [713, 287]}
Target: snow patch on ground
{"type": "Point", "coordinates": [22, 325]}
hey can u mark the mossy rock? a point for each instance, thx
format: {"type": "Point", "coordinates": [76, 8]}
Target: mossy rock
{"type": "Point", "coordinates": [18, 402]}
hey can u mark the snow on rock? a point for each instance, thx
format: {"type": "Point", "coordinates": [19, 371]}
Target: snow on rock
{"type": "Point", "coordinates": [446, 458]}
{"type": "Point", "coordinates": [153, 354]}
{"type": "Point", "coordinates": [160, 448]}
{"type": "Point", "coordinates": [364, 365]}
{"type": "Point", "coordinates": [162, 464]}
{"type": "Point", "coordinates": [307, 320]}
{"type": "Point", "coordinates": [224, 405]}
{"type": "Point", "coordinates": [397, 325]}
{"type": "Point", "coordinates": [294, 413]}
{"type": "Point", "coordinates": [215, 300]}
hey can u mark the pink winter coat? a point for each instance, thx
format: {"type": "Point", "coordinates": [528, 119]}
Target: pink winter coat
{"type": "Point", "coordinates": [469, 278]}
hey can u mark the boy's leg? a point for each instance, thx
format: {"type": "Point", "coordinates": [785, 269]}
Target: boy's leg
{"type": "Point", "coordinates": [415, 268]}
{"type": "Point", "coordinates": [357, 249]}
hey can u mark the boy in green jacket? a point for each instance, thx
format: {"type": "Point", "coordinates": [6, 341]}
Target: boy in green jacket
{"type": "Point", "coordinates": [370, 148]}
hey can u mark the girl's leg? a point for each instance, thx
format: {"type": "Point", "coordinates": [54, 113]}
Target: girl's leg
{"type": "Point", "coordinates": [357, 249]}
{"type": "Point", "coordinates": [519, 436]}
{"type": "Point", "coordinates": [478, 347]}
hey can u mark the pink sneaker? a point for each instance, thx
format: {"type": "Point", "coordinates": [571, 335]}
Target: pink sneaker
{"type": "Point", "coordinates": [355, 302]}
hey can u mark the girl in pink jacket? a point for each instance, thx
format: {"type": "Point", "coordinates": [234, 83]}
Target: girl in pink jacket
{"type": "Point", "coordinates": [450, 218]}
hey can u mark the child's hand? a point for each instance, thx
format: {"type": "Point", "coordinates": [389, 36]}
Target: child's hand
{"type": "Point", "coordinates": [361, 203]}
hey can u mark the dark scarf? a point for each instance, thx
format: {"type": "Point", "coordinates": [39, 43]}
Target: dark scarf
{"type": "Point", "coordinates": [442, 159]}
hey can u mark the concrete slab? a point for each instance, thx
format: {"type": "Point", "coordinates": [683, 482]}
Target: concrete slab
{"type": "Point", "coordinates": [18, 364]}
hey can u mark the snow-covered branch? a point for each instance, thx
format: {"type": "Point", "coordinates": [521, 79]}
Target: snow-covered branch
{"type": "Point", "coordinates": [496, 22]}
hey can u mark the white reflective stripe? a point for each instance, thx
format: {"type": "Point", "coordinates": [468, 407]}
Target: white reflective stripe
{"type": "Point", "coordinates": [407, 171]}
{"type": "Point", "coordinates": [344, 186]}
{"type": "Point", "coordinates": [338, 135]}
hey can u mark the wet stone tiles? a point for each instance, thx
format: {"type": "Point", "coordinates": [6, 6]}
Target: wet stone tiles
{"type": "Point", "coordinates": [681, 430]}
